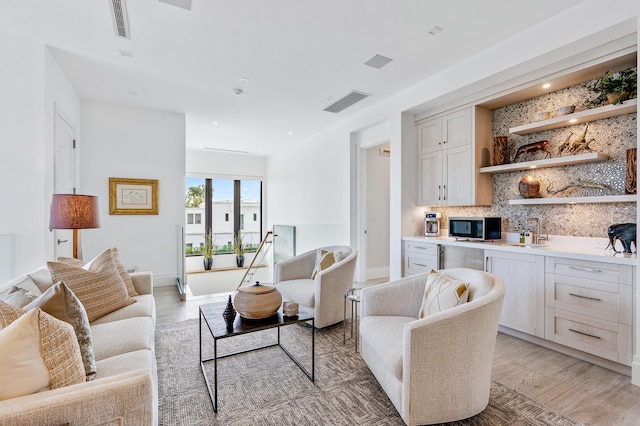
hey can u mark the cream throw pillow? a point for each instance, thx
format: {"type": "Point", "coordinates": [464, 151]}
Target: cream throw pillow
{"type": "Point", "coordinates": [17, 296]}
{"type": "Point", "coordinates": [441, 293]}
{"type": "Point", "coordinates": [100, 288]}
{"type": "Point", "coordinates": [60, 302]}
{"type": "Point", "coordinates": [38, 352]}
{"type": "Point", "coordinates": [124, 274]}
{"type": "Point", "coordinates": [325, 259]}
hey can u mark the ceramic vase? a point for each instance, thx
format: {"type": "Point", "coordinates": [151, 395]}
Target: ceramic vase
{"type": "Point", "coordinates": [229, 315]}
{"type": "Point", "coordinates": [208, 263]}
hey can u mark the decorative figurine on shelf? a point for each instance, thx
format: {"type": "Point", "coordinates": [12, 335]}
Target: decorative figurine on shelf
{"type": "Point", "coordinates": [626, 233]}
{"type": "Point", "coordinates": [229, 315]}
{"type": "Point", "coordinates": [631, 179]}
{"type": "Point", "coordinates": [579, 183]}
{"type": "Point", "coordinates": [529, 187]}
{"type": "Point", "coordinates": [532, 147]}
{"type": "Point", "coordinates": [581, 144]}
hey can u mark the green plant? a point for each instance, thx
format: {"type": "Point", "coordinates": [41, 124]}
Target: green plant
{"type": "Point", "coordinates": [624, 84]}
{"type": "Point", "coordinates": [207, 252]}
{"type": "Point", "coordinates": [238, 245]}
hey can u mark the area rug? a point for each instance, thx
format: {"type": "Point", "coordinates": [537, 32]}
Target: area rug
{"type": "Point", "coordinates": [266, 388]}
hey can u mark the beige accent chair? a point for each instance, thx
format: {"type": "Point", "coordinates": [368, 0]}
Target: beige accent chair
{"type": "Point", "coordinates": [324, 295]}
{"type": "Point", "coordinates": [436, 369]}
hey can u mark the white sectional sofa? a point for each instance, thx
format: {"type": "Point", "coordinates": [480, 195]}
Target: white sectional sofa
{"type": "Point", "coordinates": [124, 390]}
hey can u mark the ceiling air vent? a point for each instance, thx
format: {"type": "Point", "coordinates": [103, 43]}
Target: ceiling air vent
{"type": "Point", "coordinates": [378, 61]}
{"type": "Point", "coordinates": [346, 102]}
{"type": "Point", "coordinates": [120, 18]}
{"type": "Point", "coordinates": [182, 4]}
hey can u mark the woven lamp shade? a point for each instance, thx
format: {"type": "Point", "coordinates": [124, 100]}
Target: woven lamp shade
{"type": "Point", "coordinates": [73, 211]}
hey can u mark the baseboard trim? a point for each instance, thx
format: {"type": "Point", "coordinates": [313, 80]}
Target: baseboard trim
{"type": "Point", "coordinates": [375, 273]}
{"type": "Point", "coordinates": [601, 362]}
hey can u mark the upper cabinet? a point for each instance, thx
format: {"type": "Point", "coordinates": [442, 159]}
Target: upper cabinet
{"type": "Point", "coordinates": [451, 149]}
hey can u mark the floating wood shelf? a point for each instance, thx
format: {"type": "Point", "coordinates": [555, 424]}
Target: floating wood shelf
{"type": "Point", "coordinates": [577, 200]}
{"type": "Point", "coordinates": [551, 162]}
{"type": "Point", "coordinates": [599, 113]}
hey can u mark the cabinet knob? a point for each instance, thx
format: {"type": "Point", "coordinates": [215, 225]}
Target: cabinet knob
{"type": "Point", "coordinates": [444, 142]}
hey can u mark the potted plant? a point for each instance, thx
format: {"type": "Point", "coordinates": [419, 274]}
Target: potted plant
{"type": "Point", "coordinates": [238, 247]}
{"type": "Point", "coordinates": [614, 88]}
{"type": "Point", "coordinates": [207, 252]}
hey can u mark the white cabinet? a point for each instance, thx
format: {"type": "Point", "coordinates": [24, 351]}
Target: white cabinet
{"type": "Point", "coordinates": [451, 149]}
{"type": "Point", "coordinates": [419, 257]}
{"type": "Point", "coordinates": [589, 307]}
{"type": "Point", "coordinates": [523, 275]}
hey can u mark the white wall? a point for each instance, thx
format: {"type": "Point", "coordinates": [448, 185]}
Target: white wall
{"type": "Point", "coordinates": [127, 142]}
{"type": "Point", "coordinates": [22, 162]}
{"type": "Point", "coordinates": [208, 163]}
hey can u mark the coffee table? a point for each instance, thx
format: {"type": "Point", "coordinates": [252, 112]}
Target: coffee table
{"type": "Point", "coordinates": [211, 313]}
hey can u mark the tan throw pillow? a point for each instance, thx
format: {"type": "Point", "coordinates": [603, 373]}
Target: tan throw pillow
{"type": "Point", "coordinates": [60, 302]}
{"type": "Point", "coordinates": [100, 288]}
{"type": "Point", "coordinates": [441, 293]}
{"type": "Point", "coordinates": [44, 354]}
{"type": "Point", "coordinates": [9, 313]}
{"type": "Point", "coordinates": [124, 274]}
{"type": "Point", "coordinates": [325, 259]}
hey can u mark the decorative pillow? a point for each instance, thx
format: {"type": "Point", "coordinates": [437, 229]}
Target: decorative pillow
{"type": "Point", "coordinates": [442, 293]}
{"type": "Point", "coordinates": [100, 288]}
{"type": "Point", "coordinates": [124, 274]}
{"type": "Point", "coordinates": [17, 296]}
{"type": "Point", "coordinates": [39, 353]}
{"type": "Point", "coordinates": [324, 259]}
{"type": "Point", "coordinates": [61, 303]}
{"type": "Point", "coordinates": [9, 313]}
{"type": "Point", "coordinates": [42, 278]}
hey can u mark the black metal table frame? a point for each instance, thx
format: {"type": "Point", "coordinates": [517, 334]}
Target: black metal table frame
{"type": "Point", "coordinates": [213, 394]}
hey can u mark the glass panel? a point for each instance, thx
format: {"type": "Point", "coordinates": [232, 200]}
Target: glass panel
{"type": "Point", "coordinates": [222, 211]}
{"type": "Point", "coordinates": [194, 205]}
{"type": "Point", "coordinates": [250, 206]}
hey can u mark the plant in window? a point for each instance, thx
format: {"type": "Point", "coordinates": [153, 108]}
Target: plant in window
{"type": "Point", "coordinates": [614, 88]}
{"type": "Point", "coordinates": [238, 247]}
{"type": "Point", "coordinates": [207, 252]}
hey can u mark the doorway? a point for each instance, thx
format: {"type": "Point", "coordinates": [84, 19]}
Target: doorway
{"type": "Point", "coordinates": [64, 181]}
{"type": "Point", "coordinates": [376, 211]}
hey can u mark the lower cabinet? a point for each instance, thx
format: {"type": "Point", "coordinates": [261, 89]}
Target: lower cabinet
{"type": "Point", "coordinates": [419, 257]}
{"type": "Point", "coordinates": [523, 275]}
{"type": "Point", "coordinates": [588, 306]}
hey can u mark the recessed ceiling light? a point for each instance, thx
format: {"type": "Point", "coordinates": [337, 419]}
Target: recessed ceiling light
{"type": "Point", "coordinates": [244, 80]}
{"type": "Point", "coordinates": [214, 122]}
{"type": "Point", "coordinates": [546, 85]}
{"type": "Point", "coordinates": [291, 133]}
{"type": "Point", "coordinates": [132, 92]}
{"type": "Point", "coordinates": [435, 30]}
{"type": "Point", "coordinates": [126, 53]}
{"type": "Point", "coordinates": [237, 91]}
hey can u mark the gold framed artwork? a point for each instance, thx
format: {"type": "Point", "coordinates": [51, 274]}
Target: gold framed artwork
{"type": "Point", "coordinates": [133, 196]}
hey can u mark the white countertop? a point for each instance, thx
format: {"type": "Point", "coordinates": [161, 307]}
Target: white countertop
{"type": "Point", "coordinates": [584, 248]}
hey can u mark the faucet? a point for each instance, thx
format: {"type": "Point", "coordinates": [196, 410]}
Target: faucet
{"type": "Point", "coordinates": [537, 230]}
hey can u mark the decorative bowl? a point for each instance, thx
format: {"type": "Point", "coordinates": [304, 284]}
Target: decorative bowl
{"type": "Point", "coordinates": [257, 301]}
{"type": "Point", "coordinates": [544, 115]}
{"type": "Point", "coordinates": [569, 109]}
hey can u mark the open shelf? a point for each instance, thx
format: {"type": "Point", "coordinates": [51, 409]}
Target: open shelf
{"type": "Point", "coordinates": [577, 200]}
{"type": "Point", "coordinates": [598, 113]}
{"type": "Point", "coordinates": [550, 162]}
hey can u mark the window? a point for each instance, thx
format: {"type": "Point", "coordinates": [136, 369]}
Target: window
{"type": "Point", "coordinates": [231, 201]}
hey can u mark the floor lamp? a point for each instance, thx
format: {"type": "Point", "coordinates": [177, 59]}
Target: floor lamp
{"type": "Point", "coordinates": [73, 211]}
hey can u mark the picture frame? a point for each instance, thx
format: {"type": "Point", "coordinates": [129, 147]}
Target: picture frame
{"type": "Point", "coordinates": [133, 196]}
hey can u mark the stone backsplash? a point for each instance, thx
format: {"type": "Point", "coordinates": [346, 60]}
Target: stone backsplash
{"type": "Point", "coordinates": [611, 136]}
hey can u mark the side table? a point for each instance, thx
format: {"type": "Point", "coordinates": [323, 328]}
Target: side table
{"type": "Point", "coordinates": [352, 295]}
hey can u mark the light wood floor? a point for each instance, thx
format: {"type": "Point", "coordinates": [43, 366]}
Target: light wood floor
{"type": "Point", "coordinates": [577, 389]}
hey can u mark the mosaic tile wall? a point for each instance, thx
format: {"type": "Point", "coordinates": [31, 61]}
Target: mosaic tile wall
{"type": "Point", "coordinates": [612, 136]}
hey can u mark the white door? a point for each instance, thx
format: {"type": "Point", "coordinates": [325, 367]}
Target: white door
{"type": "Point", "coordinates": [63, 175]}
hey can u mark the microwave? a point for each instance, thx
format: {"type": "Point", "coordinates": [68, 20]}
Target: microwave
{"type": "Point", "coordinates": [475, 228]}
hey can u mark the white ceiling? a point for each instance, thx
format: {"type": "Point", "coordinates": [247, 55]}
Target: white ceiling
{"type": "Point", "coordinates": [295, 53]}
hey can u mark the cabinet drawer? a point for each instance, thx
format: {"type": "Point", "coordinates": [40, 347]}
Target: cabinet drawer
{"type": "Point", "coordinates": [601, 271]}
{"type": "Point", "coordinates": [605, 339]}
{"type": "Point", "coordinates": [588, 301]}
{"type": "Point", "coordinates": [424, 248]}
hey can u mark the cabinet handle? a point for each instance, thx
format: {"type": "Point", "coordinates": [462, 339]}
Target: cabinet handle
{"type": "Point", "coordinates": [444, 142]}
{"type": "Point", "coordinates": [420, 264]}
{"type": "Point", "coordinates": [585, 334]}
{"type": "Point", "coordinates": [585, 297]}
{"type": "Point", "coordinates": [439, 189]}
{"type": "Point", "coordinates": [444, 192]}
{"type": "Point", "coordinates": [419, 248]}
{"type": "Point", "coordinates": [580, 268]}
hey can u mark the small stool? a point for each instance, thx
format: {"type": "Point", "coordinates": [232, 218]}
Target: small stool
{"type": "Point", "coordinates": [353, 295]}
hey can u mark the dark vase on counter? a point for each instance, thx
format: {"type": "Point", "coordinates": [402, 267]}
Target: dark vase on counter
{"type": "Point", "coordinates": [229, 315]}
